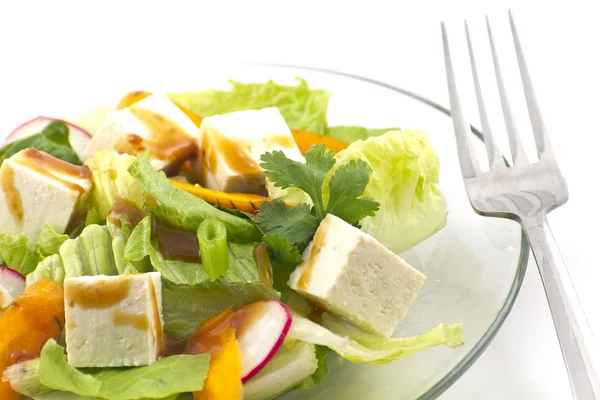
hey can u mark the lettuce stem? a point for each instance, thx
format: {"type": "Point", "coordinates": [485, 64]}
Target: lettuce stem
{"type": "Point", "coordinates": [212, 239]}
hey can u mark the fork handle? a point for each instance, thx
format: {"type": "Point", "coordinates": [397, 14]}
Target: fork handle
{"type": "Point", "coordinates": [579, 348]}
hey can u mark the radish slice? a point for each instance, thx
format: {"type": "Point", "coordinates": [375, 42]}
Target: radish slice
{"type": "Point", "coordinates": [78, 137]}
{"type": "Point", "coordinates": [12, 285]}
{"type": "Point", "coordinates": [262, 335]}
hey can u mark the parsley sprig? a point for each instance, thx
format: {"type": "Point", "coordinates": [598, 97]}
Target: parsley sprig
{"type": "Point", "coordinates": [295, 226]}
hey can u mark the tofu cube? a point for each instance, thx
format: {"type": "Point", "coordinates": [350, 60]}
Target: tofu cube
{"type": "Point", "coordinates": [113, 321]}
{"type": "Point", "coordinates": [231, 146]}
{"type": "Point", "coordinates": [349, 273]}
{"type": "Point", "coordinates": [154, 123]}
{"type": "Point", "coordinates": [38, 189]}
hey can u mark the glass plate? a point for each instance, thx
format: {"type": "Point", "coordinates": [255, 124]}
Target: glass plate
{"type": "Point", "coordinates": [474, 266]}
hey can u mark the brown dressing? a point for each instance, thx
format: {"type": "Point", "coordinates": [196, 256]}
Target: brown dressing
{"type": "Point", "coordinates": [13, 196]}
{"type": "Point", "coordinates": [158, 331]}
{"type": "Point", "coordinates": [175, 244]}
{"type": "Point", "coordinates": [139, 321]}
{"type": "Point", "coordinates": [263, 262]}
{"type": "Point", "coordinates": [307, 271]}
{"type": "Point", "coordinates": [126, 208]}
{"type": "Point", "coordinates": [279, 140]}
{"type": "Point", "coordinates": [60, 171]}
{"type": "Point", "coordinates": [209, 335]}
{"type": "Point", "coordinates": [234, 154]}
{"type": "Point", "coordinates": [167, 142]}
{"type": "Point", "coordinates": [103, 294]}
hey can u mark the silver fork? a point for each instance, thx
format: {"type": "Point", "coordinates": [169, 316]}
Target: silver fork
{"type": "Point", "coordinates": [526, 192]}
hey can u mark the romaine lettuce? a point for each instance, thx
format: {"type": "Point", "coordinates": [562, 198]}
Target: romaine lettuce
{"type": "Point", "coordinates": [181, 210]}
{"type": "Point", "coordinates": [404, 181]}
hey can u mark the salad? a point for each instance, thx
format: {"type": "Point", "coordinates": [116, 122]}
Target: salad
{"type": "Point", "coordinates": [221, 244]}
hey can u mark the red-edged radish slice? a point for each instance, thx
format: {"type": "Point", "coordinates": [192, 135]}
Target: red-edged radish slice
{"type": "Point", "coordinates": [260, 329]}
{"type": "Point", "coordinates": [261, 336]}
{"type": "Point", "coordinates": [78, 137]}
{"type": "Point", "coordinates": [12, 285]}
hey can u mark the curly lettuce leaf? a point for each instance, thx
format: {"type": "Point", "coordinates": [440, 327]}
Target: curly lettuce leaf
{"type": "Point", "coordinates": [350, 133]}
{"type": "Point", "coordinates": [166, 377]}
{"type": "Point", "coordinates": [303, 108]}
{"type": "Point", "coordinates": [16, 254]}
{"type": "Point", "coordinates": [376, 350]}
{"type": "Point", "coordinates": [49, 242]}
{"type": "Point", "coordinates": [404, 181]}
{"type": "Point", "coordinates": [112, 181]}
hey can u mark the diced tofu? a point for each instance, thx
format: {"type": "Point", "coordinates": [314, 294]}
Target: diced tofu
{"type": "Point", "coordinates": [113, 321]}
{"type": "Point", "coordinates": [231, 146]}
{"type": "Point", "coordinates": [154, 123]}
{"type": "Point", "coordinates": [349, 273]}
{"type": "Point", "coordinates": [290, 366]}
{"type": "Point", "coordinates": [37, 189]}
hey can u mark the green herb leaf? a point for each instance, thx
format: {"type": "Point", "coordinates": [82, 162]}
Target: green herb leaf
{"type": "Point", "coordinates": [281, 250]}
{"type": "Point", "coordinates": [295, 225]}
{"type": "Point", "coordinates": [309, 177]}
{"type": "Point", "coordinates": [346, 186]}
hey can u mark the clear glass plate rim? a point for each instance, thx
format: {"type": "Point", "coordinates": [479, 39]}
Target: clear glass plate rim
{"type": "Point", "coordinates": [441, 386]}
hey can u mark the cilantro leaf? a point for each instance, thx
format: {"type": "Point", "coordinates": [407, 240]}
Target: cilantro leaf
{"type": "Point", "coordinates": [309, 177]}
{"type": "Point", "coordinates": [281, 250]}
{"type": "Point", "coordinates": [296, 225]}
{"type": "Point", "coordinates": [345, 188]}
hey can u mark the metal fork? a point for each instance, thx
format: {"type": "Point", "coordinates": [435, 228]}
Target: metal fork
{"type": "Point", "coordinates": [526, 192]}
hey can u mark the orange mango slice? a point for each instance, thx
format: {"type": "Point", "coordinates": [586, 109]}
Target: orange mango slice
{"type": "Point", "coordinates": [235, 201]}
{"type": "Point", "coordinates": [217, 337]}
{"type": "Point", "coordinates": [35, 317]}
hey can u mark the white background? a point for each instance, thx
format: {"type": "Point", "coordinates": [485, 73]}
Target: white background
{"type": "Point", "coordinates": [45, 47]}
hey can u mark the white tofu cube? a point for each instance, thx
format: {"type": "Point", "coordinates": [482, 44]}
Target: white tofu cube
{"type": "Point", "coordinates": [154, 123]}
{"type": "Point", "coordinates": [113, 321]}
{"type": "Point", "coordinates": [349, 273]}
{"type": "Point", "coordinates": [231, 146]}
{"type": "Point", "coordinates": [38, 189]}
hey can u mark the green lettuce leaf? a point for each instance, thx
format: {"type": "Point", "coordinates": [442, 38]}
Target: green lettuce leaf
{"type": "Point", "coordinates": [302, 108]}
{"type": "Point", "coordinates": [49, 268]}
{"type": "Point", "coordinates": [89, 254]}
{"type": "Point", "coordinates": [54, 140]}
{"type": "Point", "coordinates": [49, 242]}
{"type": "Point", "coordinates": [349, 134]}
{"type": "Point", "coordinates": [322, 353]}
{"type": "Point", "coordinates": [112, 181]}
{"type": "Point", "coordinates": [375, 350]}
{"type": "Point", "coordinates": [15, 254]}
{"type": "Point", "coordinates": [404, 181]}
{"type": "Point", "coordinates": [181, 210]}
{"type": "Point", "coordinates": [166, 377]}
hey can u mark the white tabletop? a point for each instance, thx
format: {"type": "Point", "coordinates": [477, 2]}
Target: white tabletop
{"type": "Point", "coordinates": [392, 41]}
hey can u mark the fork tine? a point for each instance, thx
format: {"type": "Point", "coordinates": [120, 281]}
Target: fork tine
{"type": "Point", "coordinates": [494, 156]}
{"type": "Point", "coordinates": [542, 141]}
{"type": "Point", "coordinates": [466, 156]}
{"type": "Point", "coordinates": [516, 147]}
